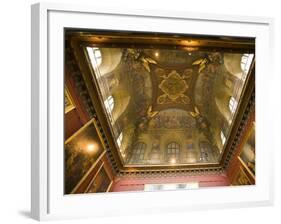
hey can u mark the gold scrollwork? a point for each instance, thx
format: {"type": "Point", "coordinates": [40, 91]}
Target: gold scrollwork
{"type": "Point", "coordinates": [174, 86]}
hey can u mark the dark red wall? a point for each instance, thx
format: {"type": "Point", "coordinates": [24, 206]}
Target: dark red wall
{"type": "Point", "coordinates": [77, 117]}
{"type": "Point", "coordinates": [235, 164]}
{"type": "Point", "coordinates": [137, 184]}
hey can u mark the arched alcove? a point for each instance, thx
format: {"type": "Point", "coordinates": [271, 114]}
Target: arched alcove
{"type": "Point", "coordinates": [122, 100]}
{"type": "Point", "coordinates": [111, 58]}
{"type": "Point", "coordinates": [232, 63]}
{"type": "Point", "coordinates": [222, 106]}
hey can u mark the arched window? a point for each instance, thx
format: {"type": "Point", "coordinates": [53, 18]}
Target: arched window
{"type": "Point", "coordinates": [189, 146]}
{"type": "Point", "coordinates": [138, 152]}
{"type": "Point", "coordinates": [119, 139]}
{"type": "Point", "coordinates": [204, 152]}
{"type": "Point", "coordinates": [232, 104]}
{"type": "Point", "coordinates": [155, 151]}
{"type": "Point", "coordinates": [109, 104]}
{"type": "Point", "coordinates": [246, 62]}
{"type": "Point", "coordinates": [223, 138]}
{"type": "Point", "coordinates": [95, 56]}
{"type": "Point", "coordinates": [173, 152]}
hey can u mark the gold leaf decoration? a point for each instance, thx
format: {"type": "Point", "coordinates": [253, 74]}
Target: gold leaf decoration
{"type": "Point", "coordinates": [196, 113]}
{"type": "Point", "coordinates": [162, 99]}
{"type": "Point", "coordinates": [202, 64]}
{"type": "Point", "coordinates": [173, 86]}
{"type": "Point", "coordinates": [193, 114]}
{"type": "Point", "coordinates": [151, 61]}
{"type": "Point", "coordinates": [201, 67]}
{"type": "Point", "coordinates": [151, 113]}
{"type": "Point", "coordinates": [197, 62]}
{"type": "Point", "coordinates": [146, 65]}
{"type": "Point", "coordinates": [185, 99]}
{"type": "Point", "coordinates": [131, 51]}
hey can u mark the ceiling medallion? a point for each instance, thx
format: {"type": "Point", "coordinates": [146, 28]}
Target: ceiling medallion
{"type": "Point", "coordinates": [174, 86]}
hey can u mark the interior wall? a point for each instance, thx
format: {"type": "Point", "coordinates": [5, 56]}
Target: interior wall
{"type": "Point", "coordinates": [77, 117]}
{"type": "Point", "coordinates": [235, 164]}
{"type": "Point", "coordinates": [137, 183]}
{"type": "Point", "coordinates": [72, 123]}
{"type": "Point", "coordinates": [74, 120]}
{"type": "Point", "coordinates": [91, 176]}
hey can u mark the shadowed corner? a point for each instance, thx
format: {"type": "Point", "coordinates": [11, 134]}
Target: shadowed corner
{"type": "Point", "coordinates": [25, 213]}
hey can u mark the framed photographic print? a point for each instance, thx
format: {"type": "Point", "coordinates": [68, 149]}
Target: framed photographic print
{"type": "Point", "coordinates": [139, 117]}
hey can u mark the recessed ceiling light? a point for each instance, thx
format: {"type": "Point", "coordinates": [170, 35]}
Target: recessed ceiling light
{"type": "Point", "coordinates": [156, 54]}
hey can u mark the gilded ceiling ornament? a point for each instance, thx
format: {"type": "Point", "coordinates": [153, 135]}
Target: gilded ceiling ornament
{"type": "Point", "coordinates": [201, 63]}
{"type": "Point", "coordinates": [151, 113]}
{"type": "Point", "coordinates": [138, 56]}
{"type": "Point", "coordinates": [174, 86]}
{"type": "Point", "coordinates": [210, 59]}
{"type": "Point", "coordinates": [196, 112]}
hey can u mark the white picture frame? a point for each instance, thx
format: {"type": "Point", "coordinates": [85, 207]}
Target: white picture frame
{"type": "Point", "coordinates": [48, 23]}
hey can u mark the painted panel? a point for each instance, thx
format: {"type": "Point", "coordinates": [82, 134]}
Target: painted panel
{"type": "Point", "coordinates": [82, 151]}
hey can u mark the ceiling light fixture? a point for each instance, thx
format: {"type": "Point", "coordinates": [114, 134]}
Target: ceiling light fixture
{"type": "Point", "coordinates": [92, 147]}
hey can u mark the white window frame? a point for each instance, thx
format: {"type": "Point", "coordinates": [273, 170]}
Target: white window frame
{"type": "Point", "coordinates": [120, 139]}
{"type": "Point", "coordinates": [109, 104]}
{"type": "Point", "coordinates": [94, 54]}
{"type": "Point", "coordinates": [232, 104]}
{"type": "Point", "coordinates": [223, 138]}
{"type": "Point", "coordinates": [246, 61]}
{"type": "Point", "coordinates": [173, 152]}
{"type": "Point", "coordinates": [138, 152]}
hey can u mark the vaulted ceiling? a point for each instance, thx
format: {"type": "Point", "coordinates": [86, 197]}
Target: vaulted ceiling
{"type": "Point", "coordinates": [166, 102]}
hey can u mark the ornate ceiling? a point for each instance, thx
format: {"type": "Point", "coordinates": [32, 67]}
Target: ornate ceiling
{"type": "Point", "coordinates": [167, 101]}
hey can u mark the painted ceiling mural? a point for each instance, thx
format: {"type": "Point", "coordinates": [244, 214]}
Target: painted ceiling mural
{"type": "Point", "coordinates": [169, 106]}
